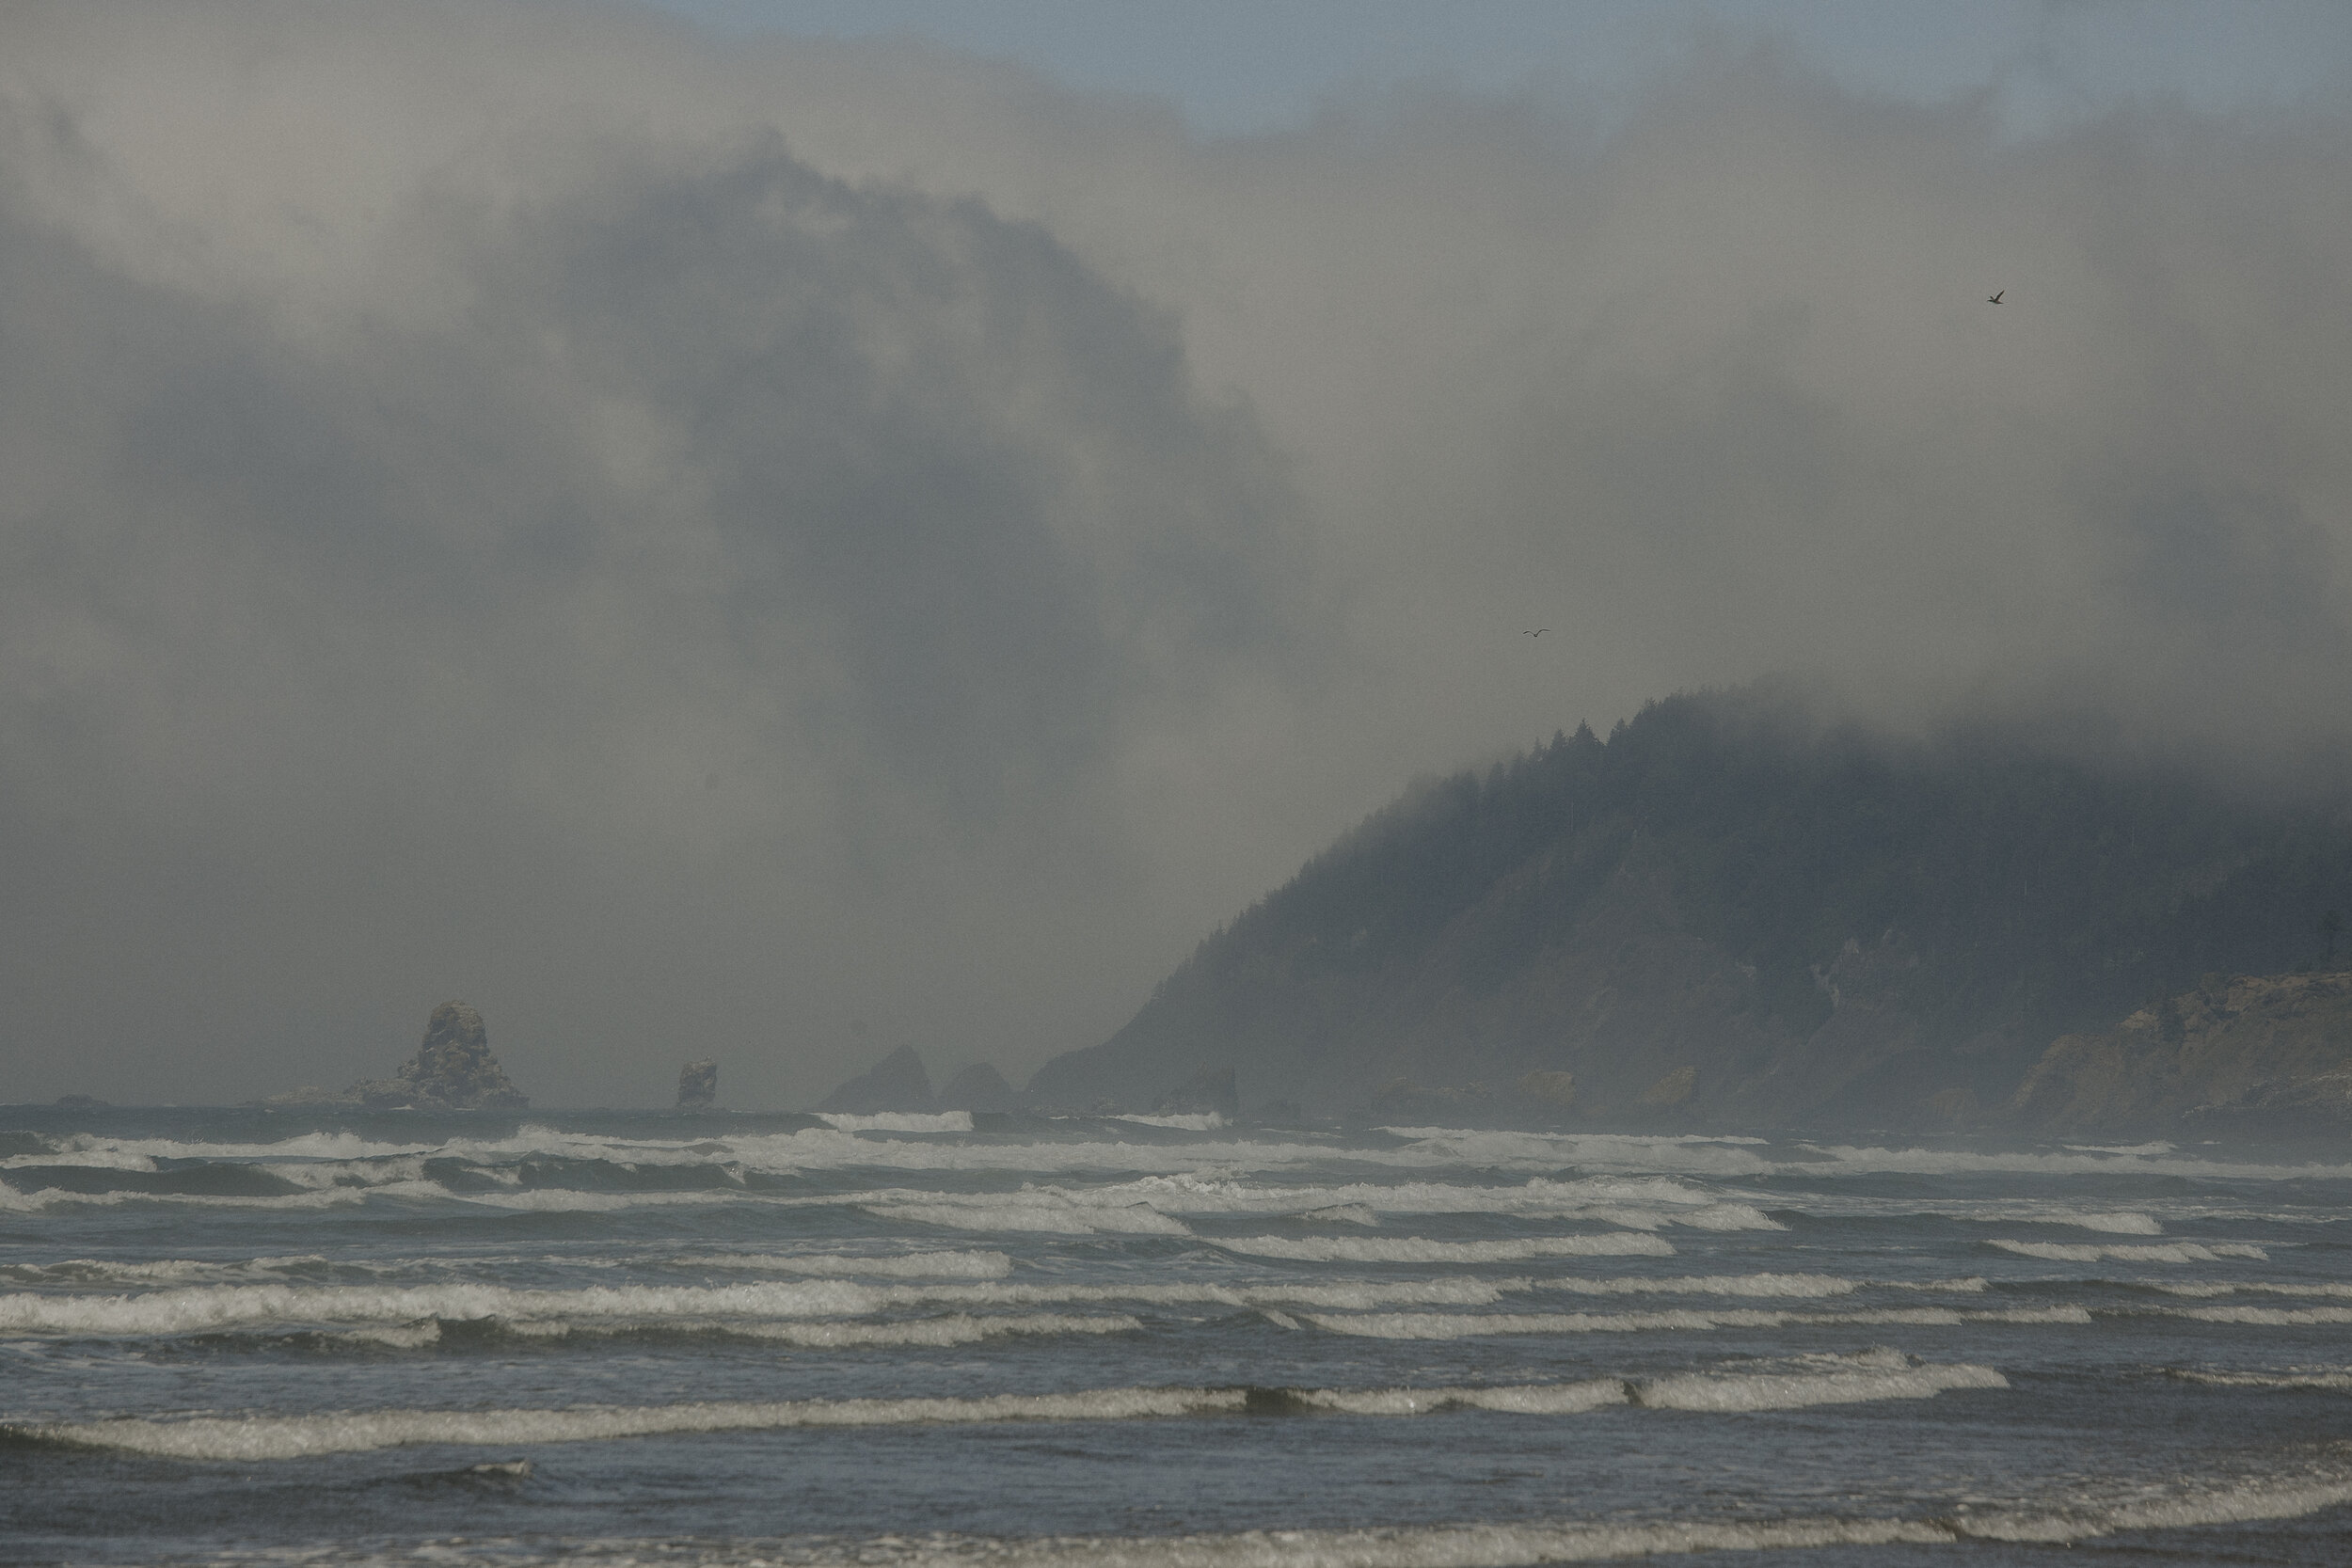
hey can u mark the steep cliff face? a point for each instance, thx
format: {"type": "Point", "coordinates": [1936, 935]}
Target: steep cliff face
{"type": "Point", "coordinates": [1727, 913]}
{"type": "Point", "coordinates": [2240, 1051]}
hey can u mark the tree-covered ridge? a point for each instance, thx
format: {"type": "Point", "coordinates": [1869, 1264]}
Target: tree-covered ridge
{"type": "Point", "coordinates": [1983, 893]}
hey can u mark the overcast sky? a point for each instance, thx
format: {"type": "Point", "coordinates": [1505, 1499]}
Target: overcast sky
{"type": "Point", "coordinates": [781, 529]}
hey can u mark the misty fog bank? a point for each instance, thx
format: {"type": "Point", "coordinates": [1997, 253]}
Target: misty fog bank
{"type": "Point", "coordinates": [690, 546]}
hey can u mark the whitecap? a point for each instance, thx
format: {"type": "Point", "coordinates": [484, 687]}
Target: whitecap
{"type": "Point", "coordinates": [2166, 1251]}
{"type": "Point", "coordinates": [1415, 1249]}
{"type": "Point", "coordinates": [897, 1121]}
{"type": "Point", "coordinates": [1464, 1325]}
{"type": "Point", "coordinates": [1710, 1285]}
{"type": "Point", "coordinates": [1068, 1219]}
{"type": "Point", "coordinates": [920, 1265]}
{"type": "Point", "coordinates": [267, 1437]}
{"type": "Point", "coordinates": [1206, 1122]}
{"type": "Point", "coordinates": [2266, 1316]}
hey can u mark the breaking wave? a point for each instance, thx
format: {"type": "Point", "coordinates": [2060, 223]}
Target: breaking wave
{"type": "Point", "coordinates": [267, 1437]}
{"type": "Point", "coordinates": [1062, 1218]}
{"type": "Point", "coordinates": [1414, 1249]}
{"type": "Point", "coordinates": [2165, 1252]}
{"type": "Point", "coordinates": [914, 1265]}
{"type": "Point", "coordinates": [1464, 1325]}
{"type": "Point", "coordinates": [897, 1121]}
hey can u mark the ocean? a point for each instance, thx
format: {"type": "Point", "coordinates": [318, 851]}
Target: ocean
{"type": "Point", "coordinates": [233, 1336]}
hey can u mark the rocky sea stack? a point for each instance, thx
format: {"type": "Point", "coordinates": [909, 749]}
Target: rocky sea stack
{"type": "Point", "coordinates": [453, 1070]}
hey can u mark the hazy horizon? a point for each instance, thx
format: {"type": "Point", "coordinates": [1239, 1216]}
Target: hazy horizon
{"type": "Point", "coordinates": [697, 538]}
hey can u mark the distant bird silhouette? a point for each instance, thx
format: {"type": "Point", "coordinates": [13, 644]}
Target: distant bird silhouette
{"type": "Point", "coordinates": [1537, 632]}
{"type": "Point", "coordinates": [1995, 299]}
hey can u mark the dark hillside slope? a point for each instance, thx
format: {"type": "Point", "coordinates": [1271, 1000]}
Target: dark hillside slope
{"type": "Point", "coordinates": [1728, 910]}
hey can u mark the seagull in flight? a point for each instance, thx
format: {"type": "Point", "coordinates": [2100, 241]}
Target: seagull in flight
{"type": "Point", "coordinates": [1537, 632]}
{"type": "Point", "coordinates": [1994, 298]}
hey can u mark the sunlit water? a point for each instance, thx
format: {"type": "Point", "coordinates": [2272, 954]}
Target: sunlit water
{"type": "Point", "coordinates": [227, 1335]}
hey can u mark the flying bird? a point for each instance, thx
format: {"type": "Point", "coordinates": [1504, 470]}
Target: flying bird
{"type": "Point", "coordinates": [1537, 632]}
{"type": "Point", "coordinates": [1994, 298]}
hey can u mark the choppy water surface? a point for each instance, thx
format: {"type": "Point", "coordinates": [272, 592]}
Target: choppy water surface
{"type": "Point", "coordinates": [225, 1336]}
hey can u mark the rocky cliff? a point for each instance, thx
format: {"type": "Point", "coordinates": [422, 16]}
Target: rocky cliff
{"type": "Point", "coordinates": [2237, 1052]}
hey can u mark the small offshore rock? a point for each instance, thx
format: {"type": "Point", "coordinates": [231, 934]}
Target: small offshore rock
{"type": "Point", "coordinates": [698, 1085]}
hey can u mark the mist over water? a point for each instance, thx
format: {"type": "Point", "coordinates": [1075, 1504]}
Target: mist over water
{"type": "Point", "coordinates": [233, 1337]}
{"type": "Point", "coordinates": [690, 543]}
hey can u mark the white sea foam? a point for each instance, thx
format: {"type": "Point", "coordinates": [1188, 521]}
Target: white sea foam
{"type": "Point", "coordinates": [2118, 1223]}
{"type": "Point", "coordinates": [159, 1271]}
{"type": "Point", "coordinates": [265, 1437]}
{"type": "Point", "coordinates": [1799, 1390]}
{"type": "Point", "coordinates": [417, 1335]}
{"type": "Point", "coordinates": [1710, 1285]}
{"type": "Point", "coordinates": [899, 1121]}
{"type": "Point", "coordinates": [2165, 1252]}
{"type": "Point", "coordinates": [957, 1328]}
{"type": "Point", "coordinates": [2331, 1378]}
{"type": "Point", "coordinates": [88, 1158]}
{"type": "Point", "coordinates": [57, 1197]}
{"type": "Point", "coordinates": [2181, 1506]}
{"type": "Point", "coordinates": [1465, 1325]}
{"type": "Point", "coordinates": [205, 1309]}
{"type": "Point", "coordinates": [574, 1200]}
{"type": "Point", "coordinates": [261, 1437]}
{"type": "Point", "coordinates": [830, 1147]}
{"type": "Point", "coordinates": [1658, 1201]}
{"type": "Point", "coordinates": [1727, 1216]}
{"type": "Point", "coordinates": [1206, 1122]}
{"type": "Point", "coordinates": [346, 1173]}
{"type": "Point", "coordinates": [948, 1329]}
{"type": "Point", "coordinates": [2251, 1287]}
{"type": "Point", "coordinates": [1064, 1218]}
{"type": "Point", "coordinates": [909, 1265]}
{"type": "Point", "coordinates": [1341, 1213]}
{"type": "Point", "coordinates": [2272, 1316]}
{"type": "Point", "coordinates": [2184, 1503]}
{"type": "Point", "coordinates": [1688, 1154]}
{"type": "Point", "coordinates": [306, 1146]}
{"type": "Point", "coordinates": [1415, 1249]}
{"type": "Point", "coordinates": [2159, 1160]}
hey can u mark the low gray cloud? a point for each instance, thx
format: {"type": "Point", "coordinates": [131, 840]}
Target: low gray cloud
{"type": "Point", "coordinates": [687, 547]}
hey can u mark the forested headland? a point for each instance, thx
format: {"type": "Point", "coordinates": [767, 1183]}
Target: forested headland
{"type": "Point", "coordinates": [1731, 911]}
